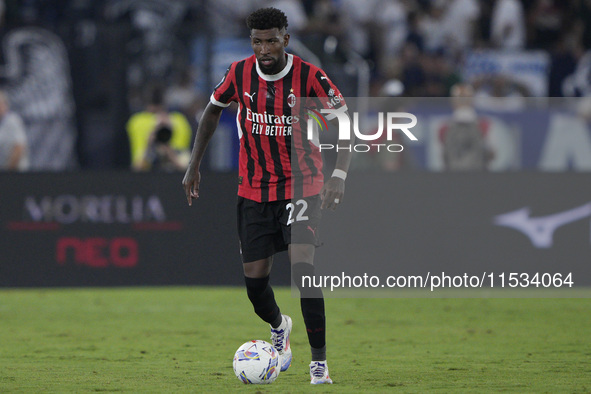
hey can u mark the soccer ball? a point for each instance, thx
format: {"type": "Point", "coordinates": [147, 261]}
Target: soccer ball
{"type": "Point", "coordinates": [256, 362]}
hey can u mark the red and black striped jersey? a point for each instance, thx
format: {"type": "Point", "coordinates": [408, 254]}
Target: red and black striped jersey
{"type": "Point", "coordinates": [277, 161]}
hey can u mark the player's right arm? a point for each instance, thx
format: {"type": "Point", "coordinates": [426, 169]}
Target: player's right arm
{"type": "Point", "coordinates": [223, 94]}
{"type": "Point", "coordinates": [209, 122]}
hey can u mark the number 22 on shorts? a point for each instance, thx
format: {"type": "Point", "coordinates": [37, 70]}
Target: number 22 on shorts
{"type": "Point", "coordinates": [301, 206]}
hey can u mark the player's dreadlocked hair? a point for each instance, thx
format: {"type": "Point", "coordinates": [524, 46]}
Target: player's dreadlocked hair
{"type": "Point", "coordinates": [266, 18]}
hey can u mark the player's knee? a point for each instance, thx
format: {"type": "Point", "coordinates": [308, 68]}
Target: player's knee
{"type": "Point", "coordinates": [257, 269]}
{"type": "Point", "coordinates": [255, 287]}
{"type": "Point", "coordinates": [302, 253]}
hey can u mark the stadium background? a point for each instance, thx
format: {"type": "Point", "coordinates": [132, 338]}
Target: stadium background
{"type": "Point", "coordinates": [80, 219]}
{"type": "Point", "coordinates": [76, 70]}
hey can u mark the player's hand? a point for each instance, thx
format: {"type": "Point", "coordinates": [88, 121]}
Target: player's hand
{"type": "Point", "coordinates": [191, 184]}
{"type": "Point", "coordinates": [332, 193]}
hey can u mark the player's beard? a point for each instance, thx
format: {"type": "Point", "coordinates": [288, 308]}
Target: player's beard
{"type": "Point", "coordinates": [271, 68]}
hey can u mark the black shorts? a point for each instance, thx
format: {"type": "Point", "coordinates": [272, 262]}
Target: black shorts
{"type": "Point", "coordinates": [266, 228]}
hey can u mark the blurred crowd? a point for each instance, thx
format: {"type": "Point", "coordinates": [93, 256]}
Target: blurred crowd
{"type": "Point", "coordinates": [78, 71]}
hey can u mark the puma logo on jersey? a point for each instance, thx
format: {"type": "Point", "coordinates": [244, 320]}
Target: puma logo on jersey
{"type": "Point", "coordinates": [250, 96]}
{"type": "Point", "coordinates": [323, 77]}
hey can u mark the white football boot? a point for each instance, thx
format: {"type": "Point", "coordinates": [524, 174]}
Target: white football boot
{"type": "Point", "coordinates": [319, 372]}
{"type": "Point", "coordinates": [280, 341]}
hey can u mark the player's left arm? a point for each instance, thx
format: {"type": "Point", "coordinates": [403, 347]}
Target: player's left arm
{"type": "Point", "coordinates": [333, 191]}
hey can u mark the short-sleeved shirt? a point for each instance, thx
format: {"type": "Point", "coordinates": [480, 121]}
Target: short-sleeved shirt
{"type": "Point", "coordinates": [270, 130]}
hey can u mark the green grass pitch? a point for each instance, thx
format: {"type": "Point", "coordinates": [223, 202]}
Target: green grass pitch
{"type": "Point", "coordinates": [183, 340]}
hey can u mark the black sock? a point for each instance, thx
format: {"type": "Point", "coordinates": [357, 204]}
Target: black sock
{"type": "Point", "coordinates": [312, 303]}
{"type": "Point", "coordinates": [319, 354]}
{"type": "Point", "coordinates": [262, 297]}
{"type": "Point", "coordinates": [277, 322]}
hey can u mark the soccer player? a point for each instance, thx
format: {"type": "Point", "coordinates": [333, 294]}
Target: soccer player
{"type": "Point", "coordinates": [281, 187]}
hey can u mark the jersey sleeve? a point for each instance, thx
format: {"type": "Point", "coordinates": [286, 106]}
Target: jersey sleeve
{"type": "Point", "coordinates": [225, 92]}
{"type": "Point", "coordinates": [328, 94]}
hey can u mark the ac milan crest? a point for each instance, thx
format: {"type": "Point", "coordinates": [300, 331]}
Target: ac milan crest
{"type": "Point", "coordinates": [291, 100]}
